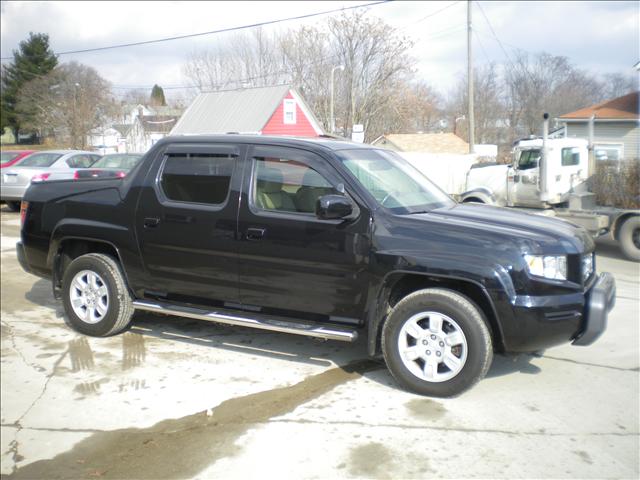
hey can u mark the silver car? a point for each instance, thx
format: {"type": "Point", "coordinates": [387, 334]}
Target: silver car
{"type": "Point", "coordinates": [40, 166]}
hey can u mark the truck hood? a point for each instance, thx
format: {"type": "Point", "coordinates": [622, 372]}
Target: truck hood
{"type": "Point", "coordinates": [530, 232]}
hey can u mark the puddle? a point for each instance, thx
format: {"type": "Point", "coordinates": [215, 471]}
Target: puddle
{"type": "Point", "coordinates": [180, 448]}
{"type": "Point", "coordinates": [133, 350]}
{"type": "Point", "coordinates": [80, 354]}
{"type": "Point", "coordinates": [369, 460]}
{"type": "Point", "coordinates": [426, 409]}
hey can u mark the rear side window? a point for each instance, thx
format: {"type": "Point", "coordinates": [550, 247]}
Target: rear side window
{"type": "Point", "coordinates": [6, 157]}
{"type": "Point", "coordinates": [198, 177]}
{"type": "Point", "coordinates": [570, 156]}
{"type": "Point", "coordinates": [39, 160]}
{"type": "Point", "coordinates": [81, 161]}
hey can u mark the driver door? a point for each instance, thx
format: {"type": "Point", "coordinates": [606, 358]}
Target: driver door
{"type": "Point", "coordinates": [523, 180]}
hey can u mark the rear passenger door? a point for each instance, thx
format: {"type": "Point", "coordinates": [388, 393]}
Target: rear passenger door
{"type": "Point", "coordinates": [186, 224]}
{"type": "Point", "coordinates": [292, 263]}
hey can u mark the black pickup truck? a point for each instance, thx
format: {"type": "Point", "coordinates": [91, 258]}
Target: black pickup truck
{"type": "Point", "coordinates": [316, 237]}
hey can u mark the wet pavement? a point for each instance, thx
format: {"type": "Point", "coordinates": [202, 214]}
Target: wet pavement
{"type": "Point", "coordinates": [178, 398]}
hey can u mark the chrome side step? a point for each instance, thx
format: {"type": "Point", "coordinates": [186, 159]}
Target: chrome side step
{"type": "Point", "coordinates": [256, 320]}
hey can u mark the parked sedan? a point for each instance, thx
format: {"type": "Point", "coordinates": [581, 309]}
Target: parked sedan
{"type": "Point", "coordinates": [38, 167]}
{"type": "Point", "coordinates": [11, 157]}
{"type": "Point", "coordinates": [111, 165]}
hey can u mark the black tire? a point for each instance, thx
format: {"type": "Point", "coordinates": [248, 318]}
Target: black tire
{"type": "Point", "coordinates": [629, 238]}
{"type": "Point", "coordinates": [13, 206]}
{"type": "Point", "coordinates": [457, 313]}
{"type": "Point", "coordinates": [119, 308]}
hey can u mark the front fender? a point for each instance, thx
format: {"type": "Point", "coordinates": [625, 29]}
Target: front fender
{"type": "Point", "coordinates": [483, 194]}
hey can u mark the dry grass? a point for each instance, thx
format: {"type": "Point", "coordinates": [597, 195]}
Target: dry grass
{"type": "Point", "coordinates": [617, 184]}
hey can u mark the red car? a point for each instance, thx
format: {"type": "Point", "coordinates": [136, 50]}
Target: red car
{"type": "Point", "coordinates": [11, 157]}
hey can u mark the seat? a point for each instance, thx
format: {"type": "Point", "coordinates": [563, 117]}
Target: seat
{"type": "Point", "coordinates": [313, 187]}
{"type": "Point", "coordinates": [269, 193]}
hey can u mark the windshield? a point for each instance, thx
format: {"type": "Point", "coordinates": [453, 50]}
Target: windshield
{"type": "Point", "coordinates": [393, 182]}
{"type": "Point", "coordinates": [6, 157]}
{"type": "Point", "coordinates": [39, 160]}
{"type": "Point", "coordinates": [124, 162]}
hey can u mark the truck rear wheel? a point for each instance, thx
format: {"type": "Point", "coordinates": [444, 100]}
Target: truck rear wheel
{"type": "Point", "coordinates": [629, 238]}
{"type": "Point", "coordinates": [435, 342]}
{"type": "Point", "coordinates": [95, 295]}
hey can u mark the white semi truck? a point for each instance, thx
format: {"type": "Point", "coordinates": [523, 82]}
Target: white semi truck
{"type": "Point", "coordinates": [549, 177]}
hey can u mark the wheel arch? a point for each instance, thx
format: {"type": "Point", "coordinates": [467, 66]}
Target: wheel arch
{"type": "Point", "coordinates": [68, 248]}
{"type": "Point", "coordinates": [397, 285]}
{"type": "Point", "coordinates": [619, 221]}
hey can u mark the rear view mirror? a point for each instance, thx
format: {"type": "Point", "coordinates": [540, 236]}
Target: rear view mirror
{"type": "Point", "coordinates": [332, 207]}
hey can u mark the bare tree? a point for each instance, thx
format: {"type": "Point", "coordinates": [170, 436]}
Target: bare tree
{"type": "Point", "coordinates": [618, 84]}
{"type": "Point", "coordinates": [545, 83]}
{"type": "Point", "coordinates": [488, 106]}
{"type": "Point", "coordinates": [376, 63]}
{"type": "Point", "coordinates": [68, 103]}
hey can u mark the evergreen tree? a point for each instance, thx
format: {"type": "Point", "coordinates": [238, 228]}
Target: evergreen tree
{"type": "Point", "coordinates": [33, 59]}
{"type": "Point", "coordinates": [157, 97]}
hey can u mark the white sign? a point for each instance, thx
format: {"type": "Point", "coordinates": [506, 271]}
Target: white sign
{"type": "Point", "coordinates": [357, 133]}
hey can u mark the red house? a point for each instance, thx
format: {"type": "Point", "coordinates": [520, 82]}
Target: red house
{"type": "Point", "coordinates": [277, 110]}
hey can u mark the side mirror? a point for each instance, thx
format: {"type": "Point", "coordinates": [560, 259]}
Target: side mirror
{"type": "Point", "coordinates": [332, 207]}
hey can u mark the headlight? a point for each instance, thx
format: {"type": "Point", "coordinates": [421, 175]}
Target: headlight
{"type": "Point", "coordinates": [547, 266]}
{"type": "Point", "coordinates": [587, 266]}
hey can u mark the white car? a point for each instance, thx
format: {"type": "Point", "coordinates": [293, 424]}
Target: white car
{"type": "Point", "coordinates": [40, 166]}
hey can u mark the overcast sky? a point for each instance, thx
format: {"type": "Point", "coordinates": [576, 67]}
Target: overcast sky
{"type": "Point", "coordinates": [602, 37]}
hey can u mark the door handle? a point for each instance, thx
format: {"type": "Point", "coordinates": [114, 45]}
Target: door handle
{"type": "Point", "coordinates": [255, 233]}
{"type": "Point", "coordinates": [151, 222]}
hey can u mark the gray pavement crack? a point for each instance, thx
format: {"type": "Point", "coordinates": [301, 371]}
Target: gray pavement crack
{"type": "Point", "coordinates": [12, 339]}
{"type": "Point", "coordinates": [577, 362]}
{"type": "Point", "coordinates": [14, 445]}
{"type": "Point", "coordinates": [454, 429]}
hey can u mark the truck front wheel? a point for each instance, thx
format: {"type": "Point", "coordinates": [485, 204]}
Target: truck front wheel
{"type": "Point", "coordinates": [95, 295]}
{"type": "Point", "coordinates": [629, 238]}
{"type": "Point", "coordinates": [435, 342]}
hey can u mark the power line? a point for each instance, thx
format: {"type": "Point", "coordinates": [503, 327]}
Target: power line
{"type": "Point", "coordinates": [484, 52]}
{"type": "Point", "coordinates": [223, 30]}
{"type": "Point", "coordinates": [494, 33]}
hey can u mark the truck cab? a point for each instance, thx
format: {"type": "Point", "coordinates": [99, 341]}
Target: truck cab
{"type": "Point", "coordinates": [567, 163]}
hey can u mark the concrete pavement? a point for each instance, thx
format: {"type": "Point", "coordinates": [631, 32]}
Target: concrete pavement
{"type": "Point", "coordinates": [178, 398]}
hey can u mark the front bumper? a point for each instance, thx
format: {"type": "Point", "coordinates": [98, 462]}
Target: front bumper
{"type": "Point", "coordinates": [599, 302]}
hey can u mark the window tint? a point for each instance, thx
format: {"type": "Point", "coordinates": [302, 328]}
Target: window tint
{"type": "Point", "coordinates": [81, 161]}
{"type": "Point", "coordinates": [570, 156]}
{"type": "Point", "coordinates": [123, 161]}
{"type": "Point", "coordinates": [6, 157]}
{"type": "Point", "coordinates": [288, 185]}
{"type": "Point", "coordinates": [529, 159]}
{"type": "Point", "coordinates": [197, 178]}
{"type": "Point", "coordinates": [39, 160]}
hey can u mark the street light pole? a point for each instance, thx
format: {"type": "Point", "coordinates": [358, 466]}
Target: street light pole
{"type": "Point", "coordinates": [332, 122]}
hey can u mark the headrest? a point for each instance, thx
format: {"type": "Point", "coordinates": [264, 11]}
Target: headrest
{"type": "Point", "coordinates": [269, 180]}
{"type": "Point", "coordinates": [312, 178]}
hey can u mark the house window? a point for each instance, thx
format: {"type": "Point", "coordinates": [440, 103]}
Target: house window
{"type": "Point", "coordinates": [289, 111]}
{"type": "Point", "coordinates": [609, 151]}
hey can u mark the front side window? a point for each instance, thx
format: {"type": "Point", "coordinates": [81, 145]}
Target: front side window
{"type": "Point", "coordinates": [284, 185]}
{"type": "Point", "coordinates": [198, 177]}
{"type": "Point", "coordinates": [570, 156]}
{"type": "Point", "coordinates": [529, 159]}
{"type": "Point", "coordinates": [39, 160]}
{"type": "Point", "coordinates": [393, 182]}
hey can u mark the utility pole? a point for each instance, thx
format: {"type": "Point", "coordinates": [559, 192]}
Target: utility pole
{"type": "Point", "coordinates": [472, 147]}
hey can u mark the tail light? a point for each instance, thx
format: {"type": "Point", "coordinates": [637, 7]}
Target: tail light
{"type": "Point", "coordinates": [121, 174]}
{"type": "Point", "coordinates": [23, 212]}
{"type": "Point", "coordinates": [40, 177]}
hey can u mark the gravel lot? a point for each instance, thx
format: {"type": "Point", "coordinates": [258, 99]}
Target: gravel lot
{"type": "Point", "coordinates": [178, 398]}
